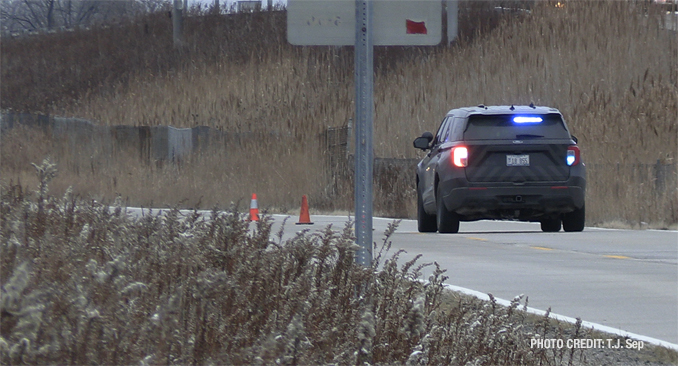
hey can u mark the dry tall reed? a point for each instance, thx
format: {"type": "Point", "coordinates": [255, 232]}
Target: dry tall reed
{"type": "Point", "coordinates": [609, 66]}
{"type": "Point", "coordinates": [85, 283]}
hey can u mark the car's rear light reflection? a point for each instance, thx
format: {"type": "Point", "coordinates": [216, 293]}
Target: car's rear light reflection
{"type": "Point", "coordinates": [460, 156]}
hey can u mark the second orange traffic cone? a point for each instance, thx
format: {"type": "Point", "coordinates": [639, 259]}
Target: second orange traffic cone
{"type": "Point", "coordinates": [254, 208]}
{"type": "Point", "coordinates": [304, 217]}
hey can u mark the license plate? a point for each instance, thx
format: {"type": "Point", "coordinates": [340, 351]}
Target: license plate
{"type": "Point", "coordinates": [517, 160]}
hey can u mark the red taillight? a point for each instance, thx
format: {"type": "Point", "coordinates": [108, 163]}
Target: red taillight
{"type": "Point", "coordinates": [460, 156]}
{"type": "Point", "coordinates": [572, 157]}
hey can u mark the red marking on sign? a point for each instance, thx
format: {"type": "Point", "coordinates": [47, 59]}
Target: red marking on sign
{"type": "Point", "coordinates": [416, 27]}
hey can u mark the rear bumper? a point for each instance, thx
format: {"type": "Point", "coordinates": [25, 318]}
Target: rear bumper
{"type": "Point", "coordinates": [501, 200]}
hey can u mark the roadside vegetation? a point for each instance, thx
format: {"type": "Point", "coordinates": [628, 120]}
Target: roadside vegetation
{"type": "Point", "coordinates": [85, 283]}
{"type": "Point", "coordinates": [609, 66]}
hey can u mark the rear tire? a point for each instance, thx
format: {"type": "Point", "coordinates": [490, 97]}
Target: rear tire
{"type": "Point", "coordinates": [448, 222]}
{"type": "Point", "coordinates": [425, 223]}
{"type": "Point", "coordinates": [550, 225]}
{"type": "Point", "coordinates": [575, 220]}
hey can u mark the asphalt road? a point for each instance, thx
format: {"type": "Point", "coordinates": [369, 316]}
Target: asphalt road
{"type": "Point", "coordinates": [624, 279]}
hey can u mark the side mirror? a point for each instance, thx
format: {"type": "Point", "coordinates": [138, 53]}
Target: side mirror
{"type": "Point", "coordinates": [575, 139]}
{"type": "Point", "coordinates": [424, 141]}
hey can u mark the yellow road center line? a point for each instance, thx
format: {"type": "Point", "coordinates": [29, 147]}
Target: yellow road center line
{"type": "Point", "coordinates": [542, 248]}
{"type": "Point", "coordinates": [616, 256]}
{"type": "Point", "coordinates": [472, 238]}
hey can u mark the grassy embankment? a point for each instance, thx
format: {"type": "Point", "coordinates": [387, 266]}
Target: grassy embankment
{"type": "Point", "coordinates": [86, 284]}
{"type": "Point", "coordinates": [610, 67]}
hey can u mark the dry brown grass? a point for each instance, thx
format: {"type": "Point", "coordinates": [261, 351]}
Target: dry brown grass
{"type": "Point", "coordinates": [607, 65]}
{"type": "Point", "coordinates": [213, 177]}
{"type": "Point", "coordinates": [84, 283]}
{"type": "Point", "coordinates": [610, 70]}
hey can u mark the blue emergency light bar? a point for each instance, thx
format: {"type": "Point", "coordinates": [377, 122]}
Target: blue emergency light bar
{"type": "Point", "coordinates": [527, 119]}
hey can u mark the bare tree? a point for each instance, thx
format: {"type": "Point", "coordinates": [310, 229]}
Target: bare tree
{"type": "Point", "coordinates": [33, 15]}
{"type": "Point", "coordinates": [8, 10]}
{"type": "Point", "coordinates": [152, 6]}
{"type": "Point", "coordinates": [27, 14]}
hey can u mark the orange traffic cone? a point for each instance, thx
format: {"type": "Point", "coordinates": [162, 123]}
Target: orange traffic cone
{"type": "Point", "coordinates": [254, 208]}
{"type": "Point", "coordinates": [304, 217]}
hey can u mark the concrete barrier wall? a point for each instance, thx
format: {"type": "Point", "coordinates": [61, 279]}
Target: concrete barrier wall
{"type": "Point", "coordinates": [158, 143]}
{"type": "Point", "coordinates": [164, 143]}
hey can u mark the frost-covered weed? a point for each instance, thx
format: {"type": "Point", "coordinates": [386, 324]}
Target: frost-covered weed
{"type": "Point", "coordinates": [85, 284]}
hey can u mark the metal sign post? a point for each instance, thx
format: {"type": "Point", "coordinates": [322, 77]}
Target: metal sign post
{"type": "Point", "coordinates": [177, 22]}
{"type": "Point", "coordinates": [364, 152]}
{"type": "Point", "coordinates": [351, 23]}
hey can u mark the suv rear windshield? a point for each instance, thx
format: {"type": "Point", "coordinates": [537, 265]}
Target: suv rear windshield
{"type": "Point", "coordinates": [502, 127]}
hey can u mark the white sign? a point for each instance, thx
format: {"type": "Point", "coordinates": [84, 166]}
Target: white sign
{"type": "Point", "coordinates": [395, 23]}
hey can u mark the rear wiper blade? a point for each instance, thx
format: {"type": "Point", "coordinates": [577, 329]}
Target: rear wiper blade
{"type": "Point", "coordinates": [528, 136]}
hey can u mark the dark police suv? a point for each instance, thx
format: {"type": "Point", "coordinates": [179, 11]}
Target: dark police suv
{"type": "Point", "coordinates": [501, 162]}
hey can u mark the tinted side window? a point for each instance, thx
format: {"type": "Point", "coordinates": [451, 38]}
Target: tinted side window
{"type": "Point", "coordinates": [442, 131]}
{"type": "Point", "coordinates": [457, 129]}
{"type": "Point", "coordinates": [503, 127]}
